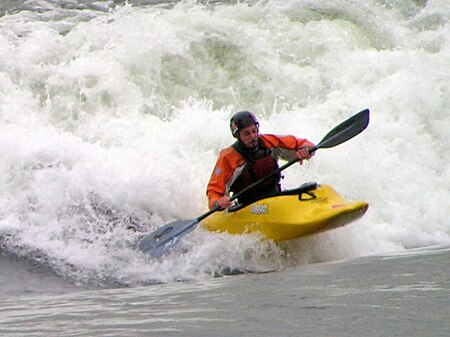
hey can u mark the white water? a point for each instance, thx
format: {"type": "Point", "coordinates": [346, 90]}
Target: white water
{"type": "Point", "coordinates": [111, 120]}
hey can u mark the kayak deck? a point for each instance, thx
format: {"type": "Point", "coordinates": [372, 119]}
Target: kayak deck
{"type": "Point", "coordinates": [285, 217]}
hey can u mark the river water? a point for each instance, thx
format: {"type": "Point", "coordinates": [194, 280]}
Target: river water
{"type": "Point", "coordinates": [112, 116]}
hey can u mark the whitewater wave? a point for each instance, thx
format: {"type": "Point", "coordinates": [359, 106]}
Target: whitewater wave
{"type": "Point", "coordinates": [112, 120]}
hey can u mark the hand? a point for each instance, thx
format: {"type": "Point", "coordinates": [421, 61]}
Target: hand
{"type": "Point", "coordinates": [303, 152]}
{"type": "Point", "coordinates": [223, 202]}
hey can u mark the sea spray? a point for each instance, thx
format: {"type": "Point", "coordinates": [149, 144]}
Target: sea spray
{"type": "Point", "coordinates": [111, 122]}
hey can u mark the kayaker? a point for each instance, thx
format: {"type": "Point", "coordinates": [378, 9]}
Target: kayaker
{"type": "Point", "coordinates": [250, 158]}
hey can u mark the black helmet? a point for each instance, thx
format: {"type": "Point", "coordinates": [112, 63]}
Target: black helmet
{"type": "Point", "coordinates": [241, 120]}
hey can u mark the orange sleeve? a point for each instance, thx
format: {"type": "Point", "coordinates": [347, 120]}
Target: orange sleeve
{"type": "Point", "coordinates": [285, 146]}
{"type": "Point", "coordinates": [286, 142]}
{"type": "Point", "coordinates": [229, 159]}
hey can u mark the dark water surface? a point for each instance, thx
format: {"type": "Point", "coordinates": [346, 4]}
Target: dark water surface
{"type": "Point", "coordinates": [396, 295]}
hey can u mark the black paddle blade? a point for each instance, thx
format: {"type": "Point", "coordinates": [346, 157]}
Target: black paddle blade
{"type": "Point", "coordinates": [346, 130]}
{"type": "Point", "coordinates": [156, 244]}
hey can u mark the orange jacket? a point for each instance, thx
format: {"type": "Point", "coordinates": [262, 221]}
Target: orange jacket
{"type": "Point", "coordinates": [230, 163]}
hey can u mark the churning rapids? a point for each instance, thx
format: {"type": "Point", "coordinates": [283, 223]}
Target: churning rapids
{"type": "Point", "coordinates": [112, 116]}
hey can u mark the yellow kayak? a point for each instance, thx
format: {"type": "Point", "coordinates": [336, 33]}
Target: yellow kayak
{"type": "Point", "coordinates": [309, 209]}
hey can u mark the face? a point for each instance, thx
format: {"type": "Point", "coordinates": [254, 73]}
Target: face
{"type": "Point", "coordinates": [249, 136]}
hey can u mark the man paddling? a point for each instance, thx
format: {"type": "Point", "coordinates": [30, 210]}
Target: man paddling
{"type": "Point", "coordinates": [250, 158]}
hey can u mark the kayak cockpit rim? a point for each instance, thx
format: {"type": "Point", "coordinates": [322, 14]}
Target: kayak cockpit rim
{"type": "Point", "coordinates": [305, 188]}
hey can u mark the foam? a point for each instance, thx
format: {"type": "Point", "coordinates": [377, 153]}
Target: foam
{"type": "Point", "coordinates": [111, 123]}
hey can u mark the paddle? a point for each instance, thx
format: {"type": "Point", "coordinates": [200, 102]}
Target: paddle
{"type": "Point", "coordinates": [159, 242]}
